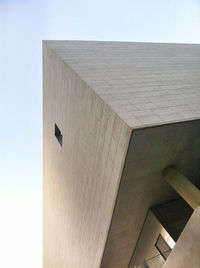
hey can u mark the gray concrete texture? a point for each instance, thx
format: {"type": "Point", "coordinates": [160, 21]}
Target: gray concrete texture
{"type": "Point", "coordinates": [144, 83]}
{"type": "Point", "coordinates": [126, 111]}
{"type": "Point", "coordinates": [81, 178]}
{"type": "Point", "coordinates": [142, 186]}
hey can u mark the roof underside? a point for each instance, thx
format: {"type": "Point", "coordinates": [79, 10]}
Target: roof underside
{"type": "Point", "coordinates": [146, 84]}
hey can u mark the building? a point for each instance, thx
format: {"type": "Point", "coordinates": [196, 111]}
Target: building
{"type": "Point", "coordinates": [116, 114]}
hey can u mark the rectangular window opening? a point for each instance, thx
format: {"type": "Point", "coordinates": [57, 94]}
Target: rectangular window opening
{"type": "Point", "coordinates": [58, 134]}
{"type": "Point", "coordinates": [163, 247]}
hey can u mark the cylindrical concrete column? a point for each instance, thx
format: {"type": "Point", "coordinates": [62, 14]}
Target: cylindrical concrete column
{"type": "Point", "coordinates": [182, 186]}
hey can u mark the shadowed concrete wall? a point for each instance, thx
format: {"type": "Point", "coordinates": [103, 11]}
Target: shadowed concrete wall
{"type": "Point", "coordinates": [186, 252]}
{"type": "Point", "coordinates": [142, 185]}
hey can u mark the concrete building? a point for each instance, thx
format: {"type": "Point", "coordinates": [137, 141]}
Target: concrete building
{"type": "Point", "coordinates": [116, 114]}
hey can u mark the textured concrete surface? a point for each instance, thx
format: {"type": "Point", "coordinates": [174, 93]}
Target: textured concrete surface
{"type": "Point", "coordinates": [81, 178]}
{"type": "Point", "coordinates": [142, 186]}
{"type": "Point", "coordinates": [146, 84]}
{"type": "Point", "coordinates": [186, 252]}
{"type": "Point", "coordinates": [108, 99]}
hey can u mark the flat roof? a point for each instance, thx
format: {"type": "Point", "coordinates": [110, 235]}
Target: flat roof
{"type": "Point", "coordinates": [146, 84]}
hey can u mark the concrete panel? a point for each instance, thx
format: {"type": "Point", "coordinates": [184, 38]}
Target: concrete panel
{"type": "Point", "coordinates": [144, 83]}
{"type": "Point", "coordinates": [81, 178]}
{"type": "Point", "coordinates": [186, 252]}
{"type": "Point", "coordinates": [142, 185]}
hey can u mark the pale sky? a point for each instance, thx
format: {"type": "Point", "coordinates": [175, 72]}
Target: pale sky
{"type": "Point", "coordinates": [23, 26]}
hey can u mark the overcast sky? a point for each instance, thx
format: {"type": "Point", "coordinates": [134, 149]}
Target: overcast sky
{"type": "Point", "coordinates": [23, 25]}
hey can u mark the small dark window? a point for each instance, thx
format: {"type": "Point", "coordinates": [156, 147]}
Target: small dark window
{"type": "Point", "coordinates": [58, 134]}
{"type": "Point", "coordinates": [163, 247]}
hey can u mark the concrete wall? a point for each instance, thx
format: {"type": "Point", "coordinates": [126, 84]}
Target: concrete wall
{"type": "Point", "coordinates": [142, 186]}
{"type": "Point", "coordinates": [186, 252]}
{"type": "Point", "coordinates": [146, 84]}
{"type": "Point", "coordinates": [81, 178]}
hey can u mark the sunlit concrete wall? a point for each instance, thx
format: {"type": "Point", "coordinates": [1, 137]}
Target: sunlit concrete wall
{"type": "Point", "coordinates": [81, 178]}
